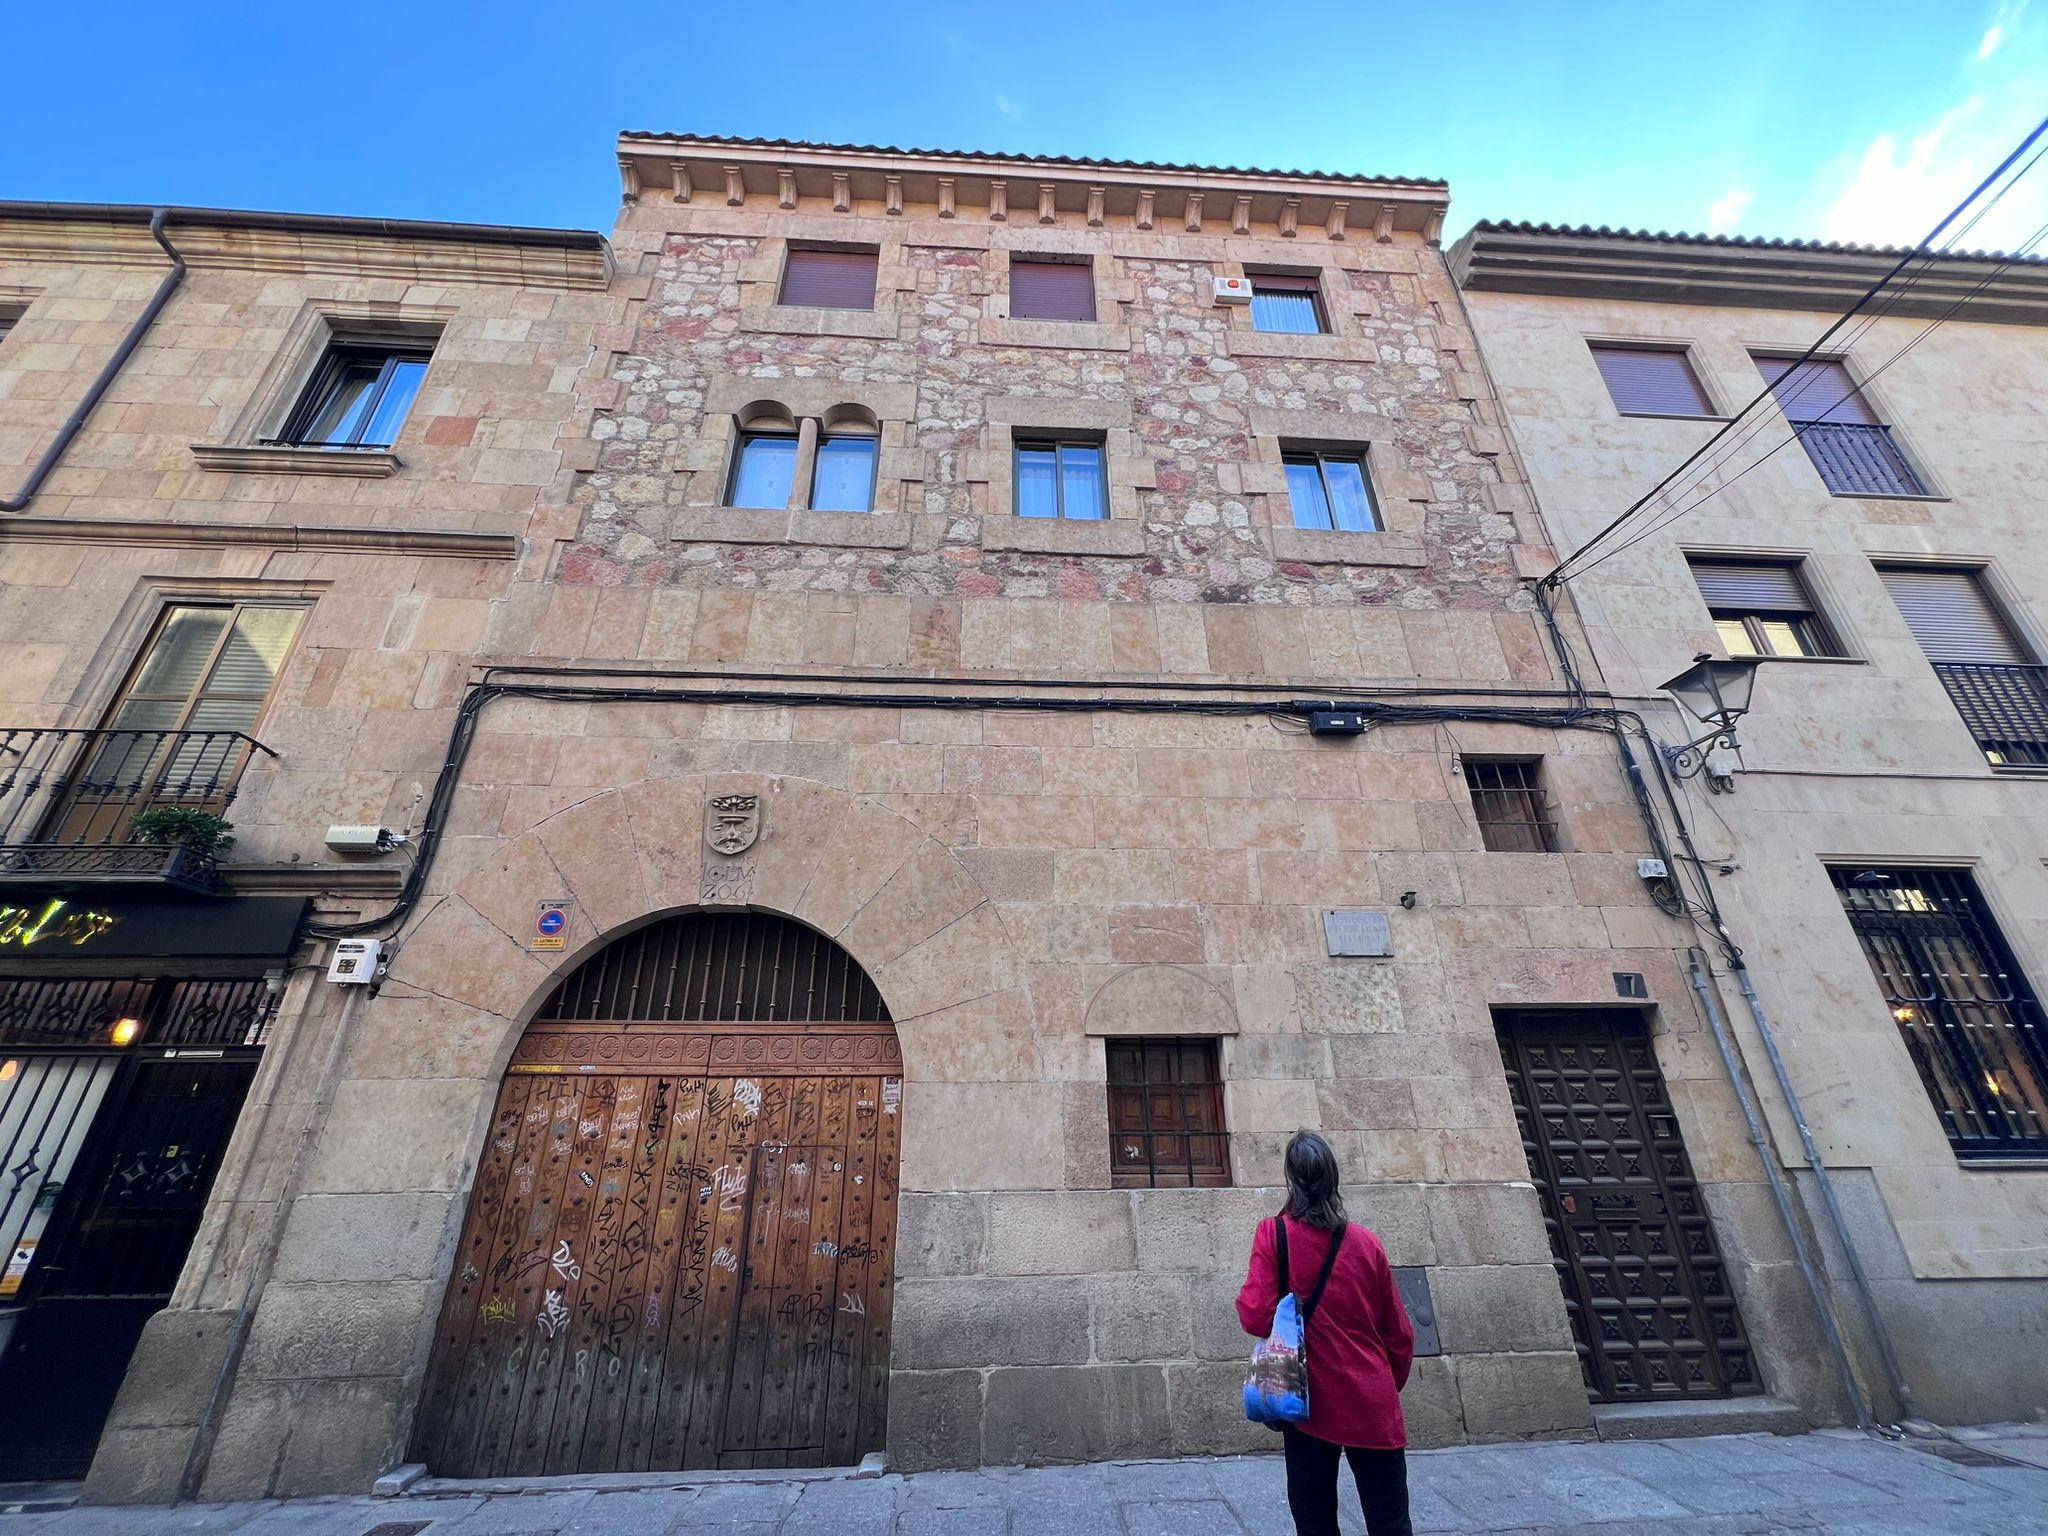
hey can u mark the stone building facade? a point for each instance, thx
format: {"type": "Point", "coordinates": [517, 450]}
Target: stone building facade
{"type": "Point", "coordinates": [859, 607]}
{"type": "Point", "coordinates": [1879, 853]}
{"type": "Point", "coordinates": [228, 593]}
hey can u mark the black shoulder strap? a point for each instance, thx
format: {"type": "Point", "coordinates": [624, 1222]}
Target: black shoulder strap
{"type": "Point", "coordinates": [1308, 1307]}
{"type": "Point", "coordinates": [1280, 1246]}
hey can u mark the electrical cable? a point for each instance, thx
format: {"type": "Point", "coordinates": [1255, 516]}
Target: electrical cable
{"type": "Point", "coordinates": [1725, 454]}
{"type": "Point", "coordinates": [1665, 517]}
{"type": "Point", "coordinates": [1920, 251]}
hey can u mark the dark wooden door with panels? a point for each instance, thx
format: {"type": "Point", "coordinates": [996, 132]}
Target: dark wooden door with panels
{"type": "Point", "coordinates": [1644, 1283]}
{"type": "Point", "coordinates": [680, 1248]}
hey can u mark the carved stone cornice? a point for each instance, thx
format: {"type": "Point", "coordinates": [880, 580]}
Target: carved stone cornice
{"type": "Point", "coordinates": [860, 180]}
{"type": "Point", "coordinates": [232, 240]}
{"type": "Point", "coordinates": [1743, 274]}
{"type": "Point", "coordinates": [146, 533]}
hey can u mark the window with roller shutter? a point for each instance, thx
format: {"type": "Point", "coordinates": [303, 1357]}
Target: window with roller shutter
{"type": "Point", "coordinates": [1651, 381]}
{"type": "Point", "coordinates": [1762, 608]}
{"type": "Point", "coordinates": [1046, 288]}
{"type": "Point", "coordinates": [829, 278]}
{"type": "Point", "coordinates": [1989, 672]}
{"type": "Point", "coordinates": [1849, 444]}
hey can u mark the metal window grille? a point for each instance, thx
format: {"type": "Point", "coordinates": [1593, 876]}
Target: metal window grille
{"type": "Point", "coordinates": [67, 1013]}
{"type": "Point", "coordinates": [720, 968]}
{"type": "Point", "coordinates": [2005, 707]}
{"type": "Point", "coordinates": [1970, 1020]}
{"type": "Point", "coordinates": [1508, 800]}
{"type": "Point", "coordinates": [1166, 1115]}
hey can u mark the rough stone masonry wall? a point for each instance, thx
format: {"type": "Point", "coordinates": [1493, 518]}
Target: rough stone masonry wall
{"type": "Point", "coordinates": [1194, 417]}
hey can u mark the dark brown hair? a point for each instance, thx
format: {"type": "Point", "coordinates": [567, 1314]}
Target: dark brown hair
{"type": "Point", "coordinates": [1312, 1197]}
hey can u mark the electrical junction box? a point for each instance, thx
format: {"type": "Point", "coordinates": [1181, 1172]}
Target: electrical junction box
{"type": "Point", "coordinates": [358, 839]}
{"type": "Point", "coordinates": [1233, 290]}
{"type": "Point", "coordinates": [355, 961]}
{"type": "Point", "coordinates": [1336, 722]}
{"type": "Point", "coordinates": [1652, 869]}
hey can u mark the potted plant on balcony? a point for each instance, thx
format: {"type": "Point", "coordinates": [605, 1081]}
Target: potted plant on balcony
{"type": "Point", "coordinates": [185, 826]}
{"type": "Point", "coordinates": [193, 839]}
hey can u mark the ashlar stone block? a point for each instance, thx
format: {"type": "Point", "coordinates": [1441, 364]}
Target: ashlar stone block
{"type": "Point", "coordinates": [1141, 1317]}
{"type": "Point", "coordinates": [1089, 1413]}
{"type": "Point", "coordinates": [1068, 1232]}
{"type": "Point", "coordinates": [978, 1322]}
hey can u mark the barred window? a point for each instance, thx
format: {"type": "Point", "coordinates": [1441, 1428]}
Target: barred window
{"type": "Point", "coordinates": [1166, 1115]}
{"type": "Point", "coordinates": [1969, 1017]}
{"type": "Point", "coordinates": [1507, 797]}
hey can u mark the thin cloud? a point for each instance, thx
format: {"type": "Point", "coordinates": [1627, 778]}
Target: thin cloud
{"type": "Point", "coordinates": [1995, 35]}
{"type": "Point", "coordinates": [1728, 210]}
{"type": "Point", "coordinates": [1903, 183]}
{"type": "Point", "coordinates": [1009, 108]}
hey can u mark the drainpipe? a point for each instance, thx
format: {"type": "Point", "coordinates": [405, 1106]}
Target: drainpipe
{"type": "Point", "coordinates": [115, 364]}
{"type": "Point", "coordinates": [1823, 1302]}
{"type": "Point", "coordinates": [1893, 1374]}
{"type": "Point", "coordinates": [259, 1273]}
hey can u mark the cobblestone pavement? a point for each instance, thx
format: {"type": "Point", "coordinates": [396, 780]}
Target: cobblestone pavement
{"type": "Point", "coordinates": [1993, 1482]}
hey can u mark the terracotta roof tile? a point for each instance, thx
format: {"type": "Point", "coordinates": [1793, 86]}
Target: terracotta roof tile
{"type": "Point", "coordinates": [1738, 242]}
{"type": "Point", "coordinates": [1049, 160]}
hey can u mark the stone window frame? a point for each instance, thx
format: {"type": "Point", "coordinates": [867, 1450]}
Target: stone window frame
{"type": "Point", "coordinates": [1109, 331]}
{"type": "Point", "coordinates": [1340, 307]}
{"type": "Point", "coordinates": [321, 325]}
{"type": "Point", "coordinates": [760, 280]}
{"type": "Point", "coordinates": [119, 652]}
{"type": "Point", "coordinates": [735, 404]}
{"type": "Point", "coordinates": [14, 307]}
{"type": "Point", "coordinates": [989, 473]}
{"type": "Point", "coordinates": [1400, 494]}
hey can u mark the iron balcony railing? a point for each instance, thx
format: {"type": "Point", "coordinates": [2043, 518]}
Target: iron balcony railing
{"type": "Point", "coordinates": [2005, 707]}
{"type": "Point", "coordinates": [69, 799]}
{"type": "Point", "coordinates": [1859, 459]}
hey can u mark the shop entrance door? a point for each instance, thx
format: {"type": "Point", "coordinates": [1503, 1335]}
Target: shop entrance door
{"type": "Point", "coordinates": [119, 1229]}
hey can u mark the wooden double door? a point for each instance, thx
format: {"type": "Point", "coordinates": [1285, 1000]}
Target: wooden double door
{"type": "Point", "coordinates": [679, 1254]}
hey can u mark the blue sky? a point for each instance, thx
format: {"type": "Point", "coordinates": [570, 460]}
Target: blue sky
{"type": "Point", "coordinates": [1833, 120]}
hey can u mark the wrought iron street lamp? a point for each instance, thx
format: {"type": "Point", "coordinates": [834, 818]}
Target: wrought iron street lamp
{"type": "Point", "coordinates": [1716, 693]}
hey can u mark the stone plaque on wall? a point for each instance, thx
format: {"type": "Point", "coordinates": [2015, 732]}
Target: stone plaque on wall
{"type": "Point", "coordinates": [1367, 934]}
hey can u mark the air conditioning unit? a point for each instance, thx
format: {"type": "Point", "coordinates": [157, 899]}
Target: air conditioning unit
{"type": "Point", "coordinates": [1233, 290]}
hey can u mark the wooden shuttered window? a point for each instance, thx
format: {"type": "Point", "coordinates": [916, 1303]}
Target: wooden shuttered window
{"type": "Point", "coordinates": [829, 279]}
{"type": "Point", "coordinates": [1166, 1125]}
{"type": "Point", "coordinates": [1042, 289]}
{"type": "Point", "coordinates": [1820, 390]}
{"type": "Point", "coordinates": [1651, 381]}
{"type": "Point", "coordinates": [1953, 616]}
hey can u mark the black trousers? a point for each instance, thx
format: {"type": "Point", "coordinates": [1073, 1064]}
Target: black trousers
{"type": "Point", "coordinates": [1382, 1478]}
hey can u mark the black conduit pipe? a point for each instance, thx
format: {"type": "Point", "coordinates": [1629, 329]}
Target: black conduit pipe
{"type": "Point", "coordinates": [115, 364]}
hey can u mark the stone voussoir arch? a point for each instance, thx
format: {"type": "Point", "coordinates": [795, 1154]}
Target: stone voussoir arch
{"type": "Point", "coordinates": [896, 899]}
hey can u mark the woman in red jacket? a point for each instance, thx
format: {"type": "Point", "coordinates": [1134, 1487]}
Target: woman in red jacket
{"type": "Point", "coordinates": [1359, 1346]}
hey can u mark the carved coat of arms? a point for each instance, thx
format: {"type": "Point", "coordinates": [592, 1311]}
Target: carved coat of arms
{"type": "Point", "coordinates": [732, 822]}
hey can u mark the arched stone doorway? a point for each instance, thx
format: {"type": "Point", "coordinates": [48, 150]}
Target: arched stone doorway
{"type": "Point", "coordinates": [680, 1245]}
